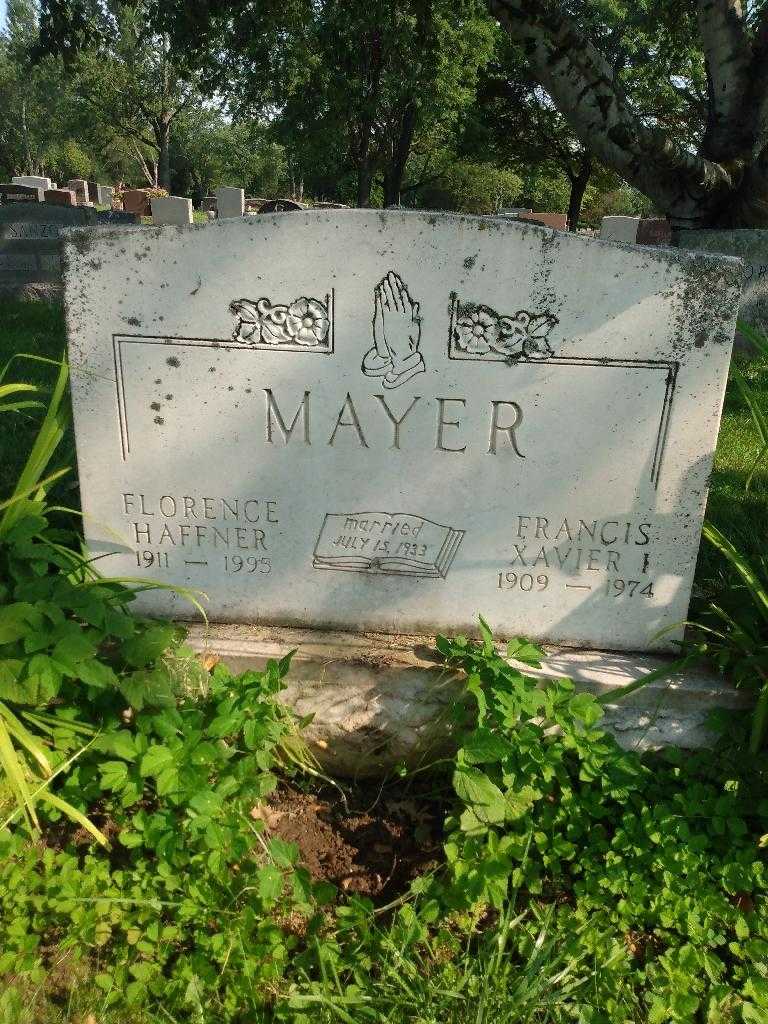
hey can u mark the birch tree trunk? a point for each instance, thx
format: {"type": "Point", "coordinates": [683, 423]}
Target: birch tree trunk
{"type": "Point", "coordinates": [725, 182]}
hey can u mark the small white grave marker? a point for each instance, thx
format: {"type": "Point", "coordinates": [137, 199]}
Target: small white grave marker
{"type": "Point", "coordinates": [619, 229]}
{"type": "Point", "coordinates": [230, 202]}
{"type": "Point", "coordinates": [171, 210]}
{"type": "Point", "coordinates": [396, 421]}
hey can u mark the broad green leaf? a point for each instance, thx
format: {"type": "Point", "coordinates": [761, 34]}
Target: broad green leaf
{"type": "Point", "coordinates": [484, 796]}
{"type": "Point", "coordinates": [483, 746]}
{"type": "Point", "coordinates": [585, 707]}
{"type": "Point", "coordinates": [14, 622]}
{"type": "Point", "coordinates": [113, 774]}
{"type": "Point", "coordinates": [155, 760]}
{"type": "Point", "coordinates": [269, 882]}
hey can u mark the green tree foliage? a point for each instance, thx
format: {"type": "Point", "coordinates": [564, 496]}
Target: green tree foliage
{"type": "Point", "coordinates": [472, 188]}
{"type": "Point", "coordinates": [208, 151]}
{"type": "Point", "coordinates": [38, 114]}
{"type": "Point", "coordinates": [355, 87]}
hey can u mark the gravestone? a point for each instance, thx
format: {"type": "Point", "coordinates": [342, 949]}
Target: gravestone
{"type": "Point", "coordinates": [172, 210]}
{"type": "Point", "coordinates": [558, 221]}
{"type": "Point", "coordinates": [337, 408]}
{"type": "Point", "coordinates": [396, 421]}
{"type": "Point", "coordinates": [10, 193]}
{"type": "Point", "coordinates": [13, 193]}
{"type": "Point", "coordinates": [80, 187]}
{"type": "Point", "coordinates": [619, 229]}
{"type": "Point", "coordinates": [111, 217]}
{"type": "Point", "coordinates": [230, 202]}
{"type": "Point", "coordinates": [136, 200]}
{"type": "Point", "coordinates": [751, 245]}
{"type": "Point", "coordinates": [33, 180]}
{"type": "Point", "coordinates": [30, 254]}
{"type": "Point", "coordinates": [60, 197]}
{"type": "Point", "coordinates": [654, 231]}
{"type": "Point", "coordinates": [107, 194]}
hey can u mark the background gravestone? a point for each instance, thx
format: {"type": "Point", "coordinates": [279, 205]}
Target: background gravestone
{"type": "Point", "coordinates": [558, 221]}
{"type": "Point", "coordinates": [12, 193]}
{"type": "Point", "coordinates": [750, 245]}
{"type": "Point", "coordinates": [136, 200]}
{"type": "Point", "coordinates": [60, 197]}
{"type": "Point", "coordinates": [111, 217]}
{"type": "Point", "coordinates": [395, 421]}
{"type": "Point", "coordinates": [619, 229]}
{"type": "Point", "coordinates": [230, 202]}
{"type": "Point", "coordinates": [30, 250]}
{"type": "Point", "coordinates": [33, 180]}
{"type": "Point", "coordinates": [172, 210]}
{"type": "Point", "coordinates": [654, 231]}
{"type": "Point", "coordinates": [80, 187]}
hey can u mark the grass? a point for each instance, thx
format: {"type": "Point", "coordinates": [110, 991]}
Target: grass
{"type": "Point", "coordinates": [741, 514]}
{"type": "Point", "coordinates": [36, 329]}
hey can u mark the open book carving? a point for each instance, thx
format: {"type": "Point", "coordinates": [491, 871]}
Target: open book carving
{"type": "Point", "coordinates": [392, 544]}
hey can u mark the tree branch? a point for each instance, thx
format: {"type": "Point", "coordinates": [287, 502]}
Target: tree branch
{"type": "Point", "coordinates": [581, 83]}
{"type": "Point", "coordinates": [728, 60]}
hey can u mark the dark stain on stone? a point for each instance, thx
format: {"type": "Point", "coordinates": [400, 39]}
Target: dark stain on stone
{"type": "Point", "coordinates": [155, 406]}
{"type": "Point", "coordinates": [133, 321]}
{"type": "Point", "coordinates": [158, 381]}
{"type": "Point", "coordinates": [470, 261]}
{"type": "Point", "coordinates": [168, 398]}
{"type": "Point", "coordinates": [159, 421]}
{"type": "Point", "coordinates": [211, 369]}
{"type": "Point", "coordinates": [173, 361]}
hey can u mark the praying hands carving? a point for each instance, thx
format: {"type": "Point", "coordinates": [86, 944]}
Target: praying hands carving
{"type": "Point", "coordinates": [395, 354]}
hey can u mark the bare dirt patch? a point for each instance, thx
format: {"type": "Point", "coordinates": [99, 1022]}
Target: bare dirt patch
{"type": "Point", "coordinates": [373, 845]}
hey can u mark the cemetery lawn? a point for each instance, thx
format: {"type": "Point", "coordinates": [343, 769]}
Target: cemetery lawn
{"type": "Point", "coordinates": [37, 328]}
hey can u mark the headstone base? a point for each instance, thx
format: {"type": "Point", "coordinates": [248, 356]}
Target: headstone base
{"type": "Point", "coordinates": [379, 700]}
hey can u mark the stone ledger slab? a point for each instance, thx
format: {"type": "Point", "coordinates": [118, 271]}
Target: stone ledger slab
{"type": "Point", "coordinates": [397, 421]}
{"type": "Point", "coordinates": [379, 700]}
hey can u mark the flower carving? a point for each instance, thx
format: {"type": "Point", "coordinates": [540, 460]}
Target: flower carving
{"type": "Point", "coordinates": [303, 322]}
{"type": "Point", "coordinates": [479, 330]}
{"type": "Point", "coordinates": [307, 321]}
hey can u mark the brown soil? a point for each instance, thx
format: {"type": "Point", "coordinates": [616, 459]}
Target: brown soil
{"type": "Point", "coordinates": [373, 846]}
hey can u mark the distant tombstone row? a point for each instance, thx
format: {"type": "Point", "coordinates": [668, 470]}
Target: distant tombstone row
{"type": "Point", "coordinates": [233, 202]}
{"type": "Point", "coordinates": [37, 188]}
